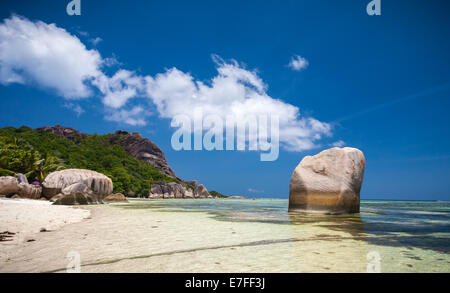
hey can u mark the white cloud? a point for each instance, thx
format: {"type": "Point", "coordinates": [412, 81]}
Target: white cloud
{"type": "Point", "coordinates": [233, 91]}
{"type": "Point", "coordinates": [339, 143]}
{"type": "Point", "coordinates": [45, 55]}
{"type": "Point", "coordinates": [74, 107]}
{"type": "Point", "coordinates": [95, 41]}
{"type": "Point", "coordinates": [134, 117]}
{"type": "Point", "coordinates": [42, 54]}
{"type": "Point", "coordinates": [121, 87]}
{"type": "Point", "coordinates": [298, 63]}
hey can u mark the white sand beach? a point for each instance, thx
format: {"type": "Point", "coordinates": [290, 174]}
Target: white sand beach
{"type": "Point", "coordinates": [148, 236]}
{"type": "Point", "coordinates": [25, 217]}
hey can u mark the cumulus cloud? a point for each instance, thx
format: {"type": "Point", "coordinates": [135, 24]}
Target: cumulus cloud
{"type": "Point", "coordinates": [298, 63]}
{"type": "Point", "coordinates": [42, 54]}
{"type": "Point", "coordinates": [46, 55]}
{"type": "Point", "coordinates": [119, 88]}
{"type": "Point", "coordinates": [234, 91]}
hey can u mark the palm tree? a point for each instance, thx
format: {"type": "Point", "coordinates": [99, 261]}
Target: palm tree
{"type": "Point", "coordinates": [42, 167]}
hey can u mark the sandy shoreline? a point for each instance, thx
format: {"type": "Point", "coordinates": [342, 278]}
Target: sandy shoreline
{"type": "Point", "coordinates": [121, 239]}
{"type": "Point", "coordinates": [25, 217]}
{"type": "Point", "coordinates": [135, 238]}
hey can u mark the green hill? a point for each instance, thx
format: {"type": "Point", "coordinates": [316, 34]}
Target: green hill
{"type": "Point", "coordinates": [36, 153]}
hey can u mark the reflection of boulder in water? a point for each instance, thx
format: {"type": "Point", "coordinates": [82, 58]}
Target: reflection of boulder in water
{"type": "Point", "coordinates": [351, 223]}
{"type": "Point", "coordinates": [325, 243]}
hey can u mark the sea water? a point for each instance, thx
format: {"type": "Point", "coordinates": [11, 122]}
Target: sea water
{"type": "Point", "coordinates": [244, 235]}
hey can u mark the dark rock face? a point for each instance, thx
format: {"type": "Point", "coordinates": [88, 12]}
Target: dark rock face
{"type": "Point", "coordinates": [64, 132]}
{"type": "Point", "coordinates": [142, 149]}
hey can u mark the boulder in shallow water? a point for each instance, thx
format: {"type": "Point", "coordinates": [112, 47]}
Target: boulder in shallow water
{"type": "Point", "coordinates": [329, 182]}
{"type": "Point", "coordinates": [78, 198]}
{"type": "Point", "coordinates": [55, 182]}
{"type": "Point", "coordinates": [117, 197]}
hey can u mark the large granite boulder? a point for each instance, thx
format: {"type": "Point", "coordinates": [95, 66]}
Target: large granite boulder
{"type": "Point", "coordinates": [29, 191]}
{"type": "Point", "coordinates": [167, 190]}
{"type": "Point", "coordinates": [9, 185]}
{"type": "Point", "coordinates": [77, 198]}
{"type": "Point", "coordinates": [201, 192]}
{"type": "Point", "coordinates": [77, 187]}
{"type": "Point", "coordinates": [18, 185]}
{"type": "Point", "coordinates": [328, 182]}
{"type": "Point", "coordinates": [76, 180]}
{"type": "Point", "coordinates": [117, 197]}
{"type": "Point", "coordinates": [177, 190]}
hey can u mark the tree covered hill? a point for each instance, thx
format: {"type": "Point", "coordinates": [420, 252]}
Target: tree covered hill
{"type": "Point", "coordinates": [36, 153]}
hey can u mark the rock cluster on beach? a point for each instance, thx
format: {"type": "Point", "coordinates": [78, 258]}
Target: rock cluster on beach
{"type": "Point", "coordinates": [134, 145]}
{"type": "Point", "coordinates": [77, 180]}
{"type": "Point", "coordinates": [18, 187]}
{"type": "Point", "coordinates": [177, 190]}
{"type": "Point", "coordinates": [329, 182]}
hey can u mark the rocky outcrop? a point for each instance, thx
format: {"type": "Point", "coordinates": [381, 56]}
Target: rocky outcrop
{"type": "Point", "coordinates": [18, 185]}
{"type": "Point", "coordinates": [134, 145]}
{"type": "Point", "coordinates": [169, 190]}
{"type": "Point", "coordinates": [201, 192]}
{"type": "Point", "coordinates": [117, 197]}
{"type": "Point", "coordinates": [329, 182]}
{"type": "Point", "coordinates": [71, 181]}
{"type": "Point", "coordinates": [77, 198]}
{"type": "Point", "coordinates": [142, 149]}
{"type": "Point", "coordinates": [177, 190]}
{"type": "Point", "coordinates": [64, 132]}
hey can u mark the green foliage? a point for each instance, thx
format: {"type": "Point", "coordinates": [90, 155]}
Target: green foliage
{"type": "Point", "coordinates": [37, 153]}
{"type": "Point", "coordinates": [217, 194]}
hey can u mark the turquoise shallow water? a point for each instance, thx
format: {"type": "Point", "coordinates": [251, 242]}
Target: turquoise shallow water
{"type": "Point", "coordinates": [410, 236]}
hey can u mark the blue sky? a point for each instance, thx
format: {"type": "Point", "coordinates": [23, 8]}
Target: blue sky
{"type": "Point", "coordinates": [381, 83]}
